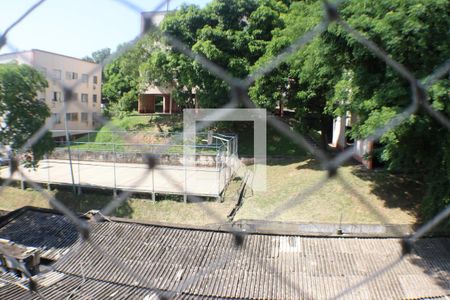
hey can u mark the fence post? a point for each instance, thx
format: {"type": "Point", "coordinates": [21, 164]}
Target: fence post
{"type": "Point", "coordinates": [153, 185]}
{"type": "Point", "coordinates": [22, 182]}
{"type": "Point", "coordinates": [79, 175]}
{"type": "Point", "coordinates": [49, 188]}
{"type": "Point", "coordinates": [114, 170]}
{"type": "Point", "coordinates": [218, 168]}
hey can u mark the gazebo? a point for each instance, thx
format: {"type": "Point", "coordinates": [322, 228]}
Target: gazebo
{"type": "Point", "coordinates": [157, 100]}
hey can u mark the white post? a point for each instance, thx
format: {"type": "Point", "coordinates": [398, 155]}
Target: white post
{"type": "Point", "coordinates": [79, 175]}
{"type": "Point", "coordinates": [48, 173]}
{"type": "Point", "coordinates": [153, 184]}
{"type": "Point", "coordinates": [114, 170]}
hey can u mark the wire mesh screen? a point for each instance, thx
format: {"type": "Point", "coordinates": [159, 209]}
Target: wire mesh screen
{"type": "Point", "coordinates": [151, 160]}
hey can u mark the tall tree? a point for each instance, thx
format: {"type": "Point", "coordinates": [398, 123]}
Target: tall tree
{"type": "Point", "coordinates": [335, 74]}
{"type": "Point", "coordinates": [306, 80]}
{"type": "Point", "coordinates": [21, 113]}
{"type": "Point", "coordinates": [233, 34]}
{"type": "Point", "coordinates": [98, 56]}
{"type": "Point", "coordinates": [415, 34]}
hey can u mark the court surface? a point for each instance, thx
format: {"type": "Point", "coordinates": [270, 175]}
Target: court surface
{"type": "Point", "coordinates": [200, 181]}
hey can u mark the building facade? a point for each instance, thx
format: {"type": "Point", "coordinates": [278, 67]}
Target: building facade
{"type": "Point", "coordinates": [83, 80]}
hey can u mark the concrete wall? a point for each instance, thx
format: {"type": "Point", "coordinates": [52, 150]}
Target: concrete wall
{"type": "Point", "coordinates": [363, 149]}
{"type": "Point", "coordinates": [138, 158]}
{"type": "Point", "coordinates": [339, 132]}
{"type": "Point", "coordinates": [363, 153]}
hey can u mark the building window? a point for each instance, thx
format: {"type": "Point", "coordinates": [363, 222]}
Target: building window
{"type": "Point", "coordinates": [56, 96]}
{"type": "Point", "coordinates": [72, 116]}
{"type": "Point", "coordinates": [71, 75]}
{"type": "Point", "coordinates": [56, 74]}
{"type": "Point", "coordinates": [84, 97]}
{"type": "Point", "coordinates": [95, 80]}
{"type": "Point", "coordinates": [84, 117]}
{"type": "Point", "coordinates": [84, 78]}
{"type": "Point", "coordinates": [94, 98]}
{"type": "Point", "coordinates": [56, 118]}
{"type": "Point", "coordinates": [94, 119]}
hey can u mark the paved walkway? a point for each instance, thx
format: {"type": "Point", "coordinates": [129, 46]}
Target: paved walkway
{"type": "Point", "coordinates": [135, 177]}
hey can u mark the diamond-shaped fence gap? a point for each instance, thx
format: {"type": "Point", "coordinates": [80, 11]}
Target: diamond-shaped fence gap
{"type": "Point", "coordinates": [122, 197]}
{"type": "Point", "coordinates": [372, 277]}
{"type": "Point", "coordinates": [285, 130]}
{"type": "Point", "coordinates": [384, 220]}
{"type": "Point", "coordinates": [297, 199]}
{"type": "Point", "coordinates": [82, 226]}
{"type": "Point", "coordinates": [380, 53]}
{"type": "Point", "coordinates": [286, 53]}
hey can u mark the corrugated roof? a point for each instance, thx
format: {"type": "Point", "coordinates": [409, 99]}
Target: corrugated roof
{"type": "Point", "coordinates": [193, 263]}
{"type": "Point", "coordinates": [51, 232]}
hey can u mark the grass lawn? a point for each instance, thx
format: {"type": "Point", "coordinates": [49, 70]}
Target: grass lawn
{"type": "Point", "coordinates": [168, 209]}
{"type": "Point", "coordinates": [393, 199]}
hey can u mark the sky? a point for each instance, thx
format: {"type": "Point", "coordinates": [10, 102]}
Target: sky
{"type": "Point", "coordinates": [75, 27]}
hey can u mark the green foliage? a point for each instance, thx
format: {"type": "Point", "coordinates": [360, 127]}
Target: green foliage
{"type": "Point", "coordinates": [233, 34]}
{"type": "Point", "coordinates": [120, 86]}
{"type": "Point", "coordinates": [415, 34]}
{"type": "Point", "coordinates": [306, 80]}
{"type": "Point", "coordinates": [334, 74]}
{"type": "Point", "coordinates": [98, 56]}
{"type": "Point", "coordinates": [22, 114]}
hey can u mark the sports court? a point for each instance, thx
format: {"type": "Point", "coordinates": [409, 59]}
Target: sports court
{"type": "Point", "coordinates": [200, 181]}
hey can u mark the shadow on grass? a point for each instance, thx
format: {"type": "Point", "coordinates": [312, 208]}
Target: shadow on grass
{"type": "Point", "coordinates": [91, 200]}
{"type": "Point", "coordinates": [402, 191]}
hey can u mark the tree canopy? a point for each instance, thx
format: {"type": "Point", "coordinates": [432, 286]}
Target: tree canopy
{"type": "Point", "coordinates": [233, 34]}
{"type": "Point", "coordinates": [331, 75]}
{"type": "Point", "coordinates": [21, 113]}
{"type": "Point", "coordinates": [334, 74]}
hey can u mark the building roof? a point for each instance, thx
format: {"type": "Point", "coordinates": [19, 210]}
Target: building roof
{"type": "Point", "coordinates": [127, 260]}
{"type": "Point", "coordinates": [47, 52]}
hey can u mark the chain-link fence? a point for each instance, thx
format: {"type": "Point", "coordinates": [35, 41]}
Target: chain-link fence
{"type": "Point", "coordinates": [239, 91]}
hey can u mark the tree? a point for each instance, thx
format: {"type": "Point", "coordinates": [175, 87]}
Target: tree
{"type": "Point", "coordinates": [306, 80]}
{"type": "Point", "coordinates": [334, 74]}
{"type": "Point", "coordinates": [98, 56]}
{"type": "Point", "coordinates": [22, 114]}
{"type": "Point", "coordinates": [233, 34]}
{"type": "Point", "coordinates": [121, 76]}
{"type": "Point", "coordinates": [415, 34]}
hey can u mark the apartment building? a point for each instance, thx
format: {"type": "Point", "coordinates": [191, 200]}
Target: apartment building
{"type": "Point", "coordinates": [83, 79]}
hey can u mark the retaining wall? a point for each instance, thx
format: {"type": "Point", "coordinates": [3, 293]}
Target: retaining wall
{"type": "Point", "coordinates": [201, 160]}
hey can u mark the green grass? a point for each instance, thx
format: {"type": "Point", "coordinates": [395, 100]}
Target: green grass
{"type": "Point", "coordinates": [387, 199]}
{"type": "Point", "coordinates": [168, 209]}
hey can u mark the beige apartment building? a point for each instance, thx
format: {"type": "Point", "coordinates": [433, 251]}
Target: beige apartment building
{"type": "Point", "coordinates": [81, 77]}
